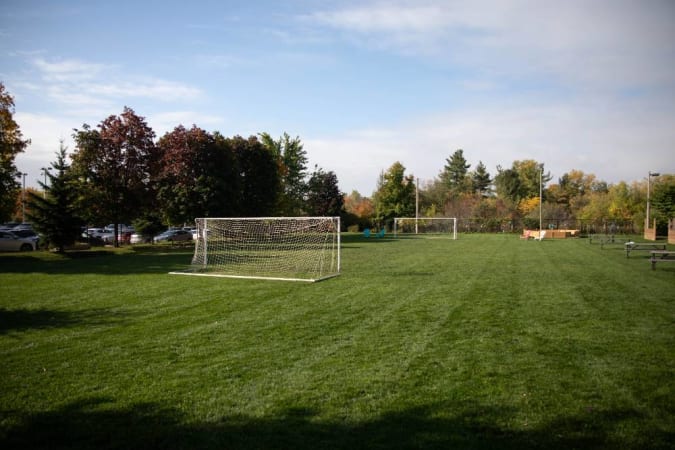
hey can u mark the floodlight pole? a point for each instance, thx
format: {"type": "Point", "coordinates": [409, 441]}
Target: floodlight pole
{"type": "Point", "coordinates": [541, 171]}
{"type": "Point", "coordinates": [44, 172]}
{"type": "Point", "coordinates": [649, 178]}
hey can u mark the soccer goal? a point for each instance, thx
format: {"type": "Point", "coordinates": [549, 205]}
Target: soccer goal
{"type": "Point", "coordinates": [446, 226]}
{"type": "Point", "coordinates": [272, 248]}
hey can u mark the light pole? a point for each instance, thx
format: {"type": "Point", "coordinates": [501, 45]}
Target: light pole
{"type": "Point", "coordinates": [44, 173]}
{"type": "Point", "coordinates": [649, 179]}
{"type": "Point", "coordinates": [23, 199]}
{"type": "Point", "coordinates": [541, 200]}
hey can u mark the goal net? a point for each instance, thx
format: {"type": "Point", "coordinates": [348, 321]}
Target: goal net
{"type": "Point", "coordinates": [426, 225]}
{"type": "Point", "coordinates": [277, 248]}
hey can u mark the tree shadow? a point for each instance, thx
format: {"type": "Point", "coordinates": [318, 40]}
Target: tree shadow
{"type": "Point", "coordinates": [93, 423]}
{"type": "Point", "coordinates": [98, 262]}
{"type": "Point", "coordinates": [29, 319]}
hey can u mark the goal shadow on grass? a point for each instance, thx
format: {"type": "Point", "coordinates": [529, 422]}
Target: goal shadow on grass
{"type": "Point", "coordinates": [92, 423]}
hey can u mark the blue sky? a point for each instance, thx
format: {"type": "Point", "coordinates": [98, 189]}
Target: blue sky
{"type": "Point", "coordinates": [586, 85]}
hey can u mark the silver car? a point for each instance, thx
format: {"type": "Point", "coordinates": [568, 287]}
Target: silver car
{"type": "Point", "coordinates": [10, 242]}
{"type": "Point", "coordinates": [173, 235]}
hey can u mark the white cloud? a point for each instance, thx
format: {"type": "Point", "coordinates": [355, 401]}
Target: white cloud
{"type": "Point", "coordinates": [606, 43]}
{"type": "Point", "coordinates": [151, 88]}
{"type": "Point", "coordinates": [69, 70]}
{"type": "Point", "coordinates": [98, 86]}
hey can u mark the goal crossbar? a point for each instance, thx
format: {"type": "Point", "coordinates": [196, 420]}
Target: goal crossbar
{"type": "Point", "coordinates": [269, 248]}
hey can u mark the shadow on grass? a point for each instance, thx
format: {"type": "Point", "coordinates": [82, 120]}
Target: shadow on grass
{"type": "Point", "coordinates": [100, 262]}
{"type": "Point", "coordinates": [25, 319]}
{"type": "Point", "coordinates": [92, 423]}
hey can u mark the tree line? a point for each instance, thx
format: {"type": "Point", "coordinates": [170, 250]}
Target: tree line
{"type": "Point", "coordinates": [511, 198]}
{"type": "Point", "coordinates": [120, 173]}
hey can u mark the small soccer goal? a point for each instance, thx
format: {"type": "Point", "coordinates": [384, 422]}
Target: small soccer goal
{"type": "Point", "coordinates": [271, 248]}
{"type": "Point", "coordinates": [441, 226]}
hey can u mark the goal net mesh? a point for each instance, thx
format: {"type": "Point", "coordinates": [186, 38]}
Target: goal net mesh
{"type": "Point", "coordinates": [426, 225]}
{"type": "Point", "coordinates": [285, 248]}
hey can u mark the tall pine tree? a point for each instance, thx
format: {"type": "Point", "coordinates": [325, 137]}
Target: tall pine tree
{"type": "Point", "coordinates": [481, 180]}
{"type": "Point", "coordinates": [54, 215]}
{"type": "Point", "coordinates": [455, 173]}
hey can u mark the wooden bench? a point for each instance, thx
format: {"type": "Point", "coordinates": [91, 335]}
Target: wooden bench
{"type": "Point", "coordinates": [661, 256]}
{"type": "Point", "coordinates": [644, 246]}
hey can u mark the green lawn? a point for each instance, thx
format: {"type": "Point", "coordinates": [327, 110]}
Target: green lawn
{"type": "Point", "coordinates": [484, 342]}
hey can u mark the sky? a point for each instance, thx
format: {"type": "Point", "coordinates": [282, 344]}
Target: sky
{"type": "Point", "coordinates": [576, 85]}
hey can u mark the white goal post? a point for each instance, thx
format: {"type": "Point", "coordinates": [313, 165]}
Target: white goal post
{"type": "Point", "coordinates": [426, 225]}
{"type": "Point", "coordinates": [271, 248]}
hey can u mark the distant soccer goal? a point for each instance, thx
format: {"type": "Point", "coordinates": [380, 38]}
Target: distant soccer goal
{"type": "Point", "coordinates": [445, 226]}
{"type": "Point", "coordinates": [273, 248]}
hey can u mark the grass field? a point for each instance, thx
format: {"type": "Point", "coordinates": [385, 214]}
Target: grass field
{"type": "Point", "coordinates": [481, 343]}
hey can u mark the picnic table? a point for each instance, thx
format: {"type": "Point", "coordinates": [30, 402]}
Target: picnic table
{"type": "Point", "coordinates": [644, 246]}
{"type": "Point", "coordinates": [613, 240]}
{"type": "Point", "coordinates": [661, 256]}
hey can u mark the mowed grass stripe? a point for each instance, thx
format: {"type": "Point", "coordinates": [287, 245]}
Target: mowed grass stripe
{"type": "Point", "coordinates": [481, 342]}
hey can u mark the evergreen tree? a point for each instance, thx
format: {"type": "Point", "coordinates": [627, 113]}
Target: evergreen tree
{"type": "Point", "coordinates": [455, 173]}
{"type": "Point", "coordinates": [54, 215]}
{"type": "Point", "coordinates": [481, 180]}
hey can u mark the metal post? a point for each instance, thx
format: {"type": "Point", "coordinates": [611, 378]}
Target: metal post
{"type": "Point", "coordinates": [417, 203]}
{"type": "Point", "coordinates": [649, 178]}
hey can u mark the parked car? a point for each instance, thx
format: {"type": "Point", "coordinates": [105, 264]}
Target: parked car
{"type": "Point", "coordinates": [97, 236]}
{"type": "Point", "coordinates": [120, 228]}
{"type": "Point", "coordinates": [138, 238]}
{"type": "Point", "coordinates": [10, 242]}
{"type": "Point", "coordinates": [23, 226]}
{"type": "Point", "coordinates": [27, 234]}
{"type": "Point", "coordinates": [173, 235]}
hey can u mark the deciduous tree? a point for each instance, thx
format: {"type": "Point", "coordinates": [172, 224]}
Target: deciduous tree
{"type": "Point", "coordinates": [197, 176]}
{"type": "Point", "coordinates": [323, 194]}
{"type": "Point", "coordinates": [114, 165]}
{"type": "Point", "coordinates": [292, 159]}
{"type": "Point", "coordinates": [395, 195]}
{"type": "Point", "coordinates": [258, 182]}
{"type": "Point", "coordinates": [11, 144]}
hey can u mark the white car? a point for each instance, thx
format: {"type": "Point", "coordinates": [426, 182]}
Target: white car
{"type": "Point", "coordinates": [138, 238]}
{"type": "Point", "coordinates": [10, 242]}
